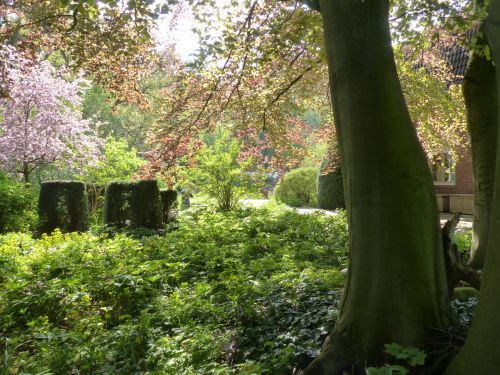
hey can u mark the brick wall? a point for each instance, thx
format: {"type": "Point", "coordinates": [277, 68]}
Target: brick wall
{"type": "Point", "coordinates": [458, 197]}
{"type": "Point", "coordinates": [464, 183]}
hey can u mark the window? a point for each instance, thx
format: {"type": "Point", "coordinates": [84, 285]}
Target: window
{"type": "Point", "coordinates": [443, 169]}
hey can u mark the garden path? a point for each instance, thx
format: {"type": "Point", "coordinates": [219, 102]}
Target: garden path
{"type": "Point", "coordinates": [464, 224]}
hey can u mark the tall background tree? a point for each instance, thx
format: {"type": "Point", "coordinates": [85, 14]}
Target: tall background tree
{"type": "Point", "coordinates": [481, 352]}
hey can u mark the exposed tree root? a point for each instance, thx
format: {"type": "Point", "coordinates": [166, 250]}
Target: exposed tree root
{"type": "Point", "coordinates": [338, 357]}
{"type": "Point", "coordinates": [457, 270]}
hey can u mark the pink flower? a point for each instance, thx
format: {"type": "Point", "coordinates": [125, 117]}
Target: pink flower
{"type": "Point", "coordinates": [41, 121]}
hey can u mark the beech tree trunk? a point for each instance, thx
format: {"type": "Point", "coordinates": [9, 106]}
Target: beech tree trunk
{"type": "Point", "coordinates": [481, 352]}
{"type": "Point", "coordinates": [480, 94]}
{"type": "Point", "coordinates": [396, 289]}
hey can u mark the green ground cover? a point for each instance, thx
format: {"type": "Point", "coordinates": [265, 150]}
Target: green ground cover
{"type": "Point", "coordinates": [252, 291]}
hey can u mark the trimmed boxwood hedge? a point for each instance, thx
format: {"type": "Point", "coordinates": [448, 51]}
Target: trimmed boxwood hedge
{"type": "Point", "coordinates": [168, 204]}
{"type": "Point", "coordinates": [145, 205]}
{"type": "Point", "coordinates": [330, 187]}
{"type": "Point", "coordinates": [117, 203]}
{"type": "Point", "coordinates": [133, 203]}
{"type": "Point", "coordinates": [63, 205]}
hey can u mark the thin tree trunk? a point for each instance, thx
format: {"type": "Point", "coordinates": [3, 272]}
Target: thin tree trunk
{"type": "Point", "coordinates": [481, 352]}
{"type": "Point", "coordinates": [480, 94]}
{"type": "Point", "coordinates": [26, 175]}
{"type": "Point", "coordinates": [396, 289]}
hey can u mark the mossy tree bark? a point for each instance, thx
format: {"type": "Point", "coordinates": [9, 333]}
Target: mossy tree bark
{"type": "Point", "coordinates": [481, 352]}
{"type": "Point", "coordinates": [480, 94]}
{"type": "Point", "coordinates": [396, 289]}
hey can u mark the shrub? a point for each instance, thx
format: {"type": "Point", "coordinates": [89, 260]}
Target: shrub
{"type": "Point", "coordinates": [168, 204]}
{"type": "Point", "coordinates": [117, 203]}
{"type": "Point", "coordinates": [16, 205]}
{"type": "Point", "coordinates": [63, 205]}
{"type": "Point", "coordinates": [463, 240]}
{"type": "Point", "coordinates": [222, 175]}
{"type": "Point", "coordinates": [297, 188]}
{"type": "Point", "coordinates": [145, 205]}
{"type": "Point", "coordinates": [119, 162]}
{"type": "Point", "coordinates": [134, 203]}
{"type": "Point", "coordinates": [330, 189]}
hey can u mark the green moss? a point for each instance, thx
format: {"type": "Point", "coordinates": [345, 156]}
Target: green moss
{"type": "Point", "coordinates": [63, 205]}
{"type": "Point", "coordinates": [464, 293]}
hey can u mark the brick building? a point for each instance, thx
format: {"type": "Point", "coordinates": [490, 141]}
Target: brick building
{"type": "Point", "coordinates": [455, 189]}
{"type": "Point", "coordinates": [454, 185]}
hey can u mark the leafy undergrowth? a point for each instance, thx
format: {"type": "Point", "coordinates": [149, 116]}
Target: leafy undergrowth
{"type": "Point", "coordinates": [249, 292]}
{"type": "Point", "coordinates": [463, 240]}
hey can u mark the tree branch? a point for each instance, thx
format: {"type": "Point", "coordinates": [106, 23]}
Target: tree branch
{"type": "Point", "coordinates": [248, 21]}
{"type": "Point", "coordinates": [284, 90]}
{"type": "Point", "coordinates": [38, 22]}
{"type": "Point", "coordinates": [75, 19]}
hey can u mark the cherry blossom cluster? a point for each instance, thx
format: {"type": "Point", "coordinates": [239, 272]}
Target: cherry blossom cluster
{"type": "Point", "coordinates": [40, 118]}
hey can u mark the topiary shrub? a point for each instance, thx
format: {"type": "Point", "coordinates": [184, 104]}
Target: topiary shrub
{"type": "Point", "coordinates": [145, 205]}
{"type": "Point", "coordinates": [133, 203]}
{"type": "Point", "coordinates": [117, 203]}
{"type": "Point", "coordinates": [168, 204]}
{"type": "Point", "coordinates": [330, 189]}
{"type": "Point", "coordinates": [297, 188]}
{"type": "Point", "coordinates": [63, 205]}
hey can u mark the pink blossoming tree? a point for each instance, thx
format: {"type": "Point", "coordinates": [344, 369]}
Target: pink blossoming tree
{"type": "Point", "coordinates": [40, 119]}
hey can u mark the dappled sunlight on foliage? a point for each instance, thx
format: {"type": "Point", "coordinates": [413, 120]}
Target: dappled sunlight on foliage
{"type": "Point", "coordinates": [249, 290]}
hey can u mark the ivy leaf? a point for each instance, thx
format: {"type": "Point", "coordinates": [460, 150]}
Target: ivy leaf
{"type": "Point", "coordinates": [386, 370]}
{"type": "Point", "coordinates": [415, 356]}
{"type": "Point", "coordinates": [393, 349]}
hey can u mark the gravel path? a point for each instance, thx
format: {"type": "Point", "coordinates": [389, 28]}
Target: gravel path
{"type": "Point", "coordinates": [464, 224]}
